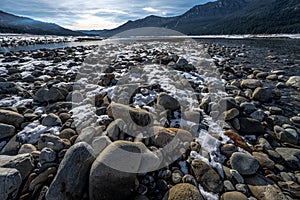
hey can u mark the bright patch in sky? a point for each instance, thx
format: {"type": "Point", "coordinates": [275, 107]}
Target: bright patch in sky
{"type": "Point", "coordinates": [95, 14]}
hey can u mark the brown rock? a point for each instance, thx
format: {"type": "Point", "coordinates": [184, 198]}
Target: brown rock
{"type": "Point", "coordinates": [233, 196]}
{"type": "Point", "coordinates": [164, 136]}
{"type": "Point", "coordinates": [183, 191]}
{"type": "Point", "coordinates": [238, 140]}
{"type": "Point", "coordinates": [10, 117]}
{"type": "Point", "coordinates": [264, 160]}
{"type": "Point", "coordinates": [207, 176]}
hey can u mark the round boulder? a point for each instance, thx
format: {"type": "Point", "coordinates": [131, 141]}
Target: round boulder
{"type": "Point", "coordinates": [244, 163]}
{"type": "Point", "coordinates": [183, 191]}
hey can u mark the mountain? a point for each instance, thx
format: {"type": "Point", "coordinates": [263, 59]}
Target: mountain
{"type": "Point", "coordinates": [227, 17]}
{"type": "Point", "coordinates": [14, 24]}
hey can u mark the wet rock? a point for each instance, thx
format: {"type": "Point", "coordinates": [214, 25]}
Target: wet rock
{"type": "Point", "coordinates": [207, 176]}
{"type": "Point", "coordinates": [291, 187]}
{"type": "Point", "coordinates": [53, 94]}
{"type": "Point", "coordinates": [6, 131]}
{"type": "Point", "coordinates": [47, 156]}
{"type": "Point", "coordinates": [27, 148]}
{"type": "Point", "coordinates": [228, 186]}
{"type": "Point", "coordinates": [164, 136]}
{"type": "Point", "coordinates": [236, 176]}
{"type": "Point", "coordinates": [11, 118]}
{"type": "Point", "coordinates": [291, 156]}
{"type": "Point", "coordinates": [233, 196]}
{"type": "Point", "coordinates": [263, 94]}
{"type": "Point", "coordinates": [113, 172]}
{"type": "Point", "coordinates": [294, 81]}
{"type": "Point", "coordinates": [264, 160]}
{"type": "Point", "coordinates": [296, 120]}
{"type": "Point", "coordinates": [129, 115]}
{"type": "Point", "coordinates": [42, 178]}
{"type": "Point", "coordinates": [116, 128]}
{"type": "Point", "coordinates": [259, 115]}
{"type": "Point", "coordinates": [227, 104]}
{"type": "Point", "coordinates": [10, 182]}
{"type": "Point", "coordinates": [195, 146]}
{"type": "Point", "coordinates": [100, 143]}
{"type": "Point", "coordinates": [9, 88]}
{"type": "Point", "coordinates": [248, 108]}
{"type": "Point", "coordinates": [177, 177]}
{"type": "Point", "coordinates": [238, 140]}
{"type": "Point", "coordinates": [286, 135]}
{"type": "Point", "coordinates": [67, 133]}
{"type": "Point", "coordinates": [12, 147]}
{"type": "Point", "coordinates": [189, 179]}
{"type": "Point", "coordinates": [228, 149]}
{"type": "Point", "coordinates": [251, 126]}
{"type": "Point", "coordinates": [22, 162]}
{"type": "Point", "coordinates": [53, 142]}
{"type": "Point", "coordinates": [251, 83]}
{"type": "Point", "coordinates": [244, 163]}
{"type": "Point", "coordinates": [72, 176]}
{"type": "Point", "coordinates": [183, 191]}
{"type": "Point", "coordinates": [263, 188]}
{"type": "Point", "coordinates": [168, 102]}
{"type": "Point", "coordinates": [230, 114]}
{"type": "Point", "coordinates": [51, 120]}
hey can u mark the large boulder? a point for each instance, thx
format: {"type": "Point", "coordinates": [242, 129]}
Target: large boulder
{"type": "Point", "coordinates": [244, 163]}
{"type": "Point", "coordinates": [183, 191]}
{"type": "Point", "coordinates": [207, 176]}
{"type": "Point", "coordinates": [10, 182]}
{"type": "Point", "coordinates": [72, 176]}
{"type": "Point", "coordinates": [114, 171]}
{"type": "Point", "coordinates": [24, 163]}
{"type": "Point", "coordinates": [10, 117]}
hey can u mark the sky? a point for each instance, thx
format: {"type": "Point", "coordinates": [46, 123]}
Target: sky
{"type": "Point", "coordinates": [95, 14]}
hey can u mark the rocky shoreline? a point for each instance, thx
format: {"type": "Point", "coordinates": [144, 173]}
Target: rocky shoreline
{"type": "Point", "coordinates": [24, 40]}
{"type": "Point", "coordinates": [148, 120]}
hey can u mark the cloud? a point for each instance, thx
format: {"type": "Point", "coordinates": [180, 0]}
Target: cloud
{"type": "Point", "coordinates": [95, 14]}
{"type": "Point", "coordinates": [151, 10]}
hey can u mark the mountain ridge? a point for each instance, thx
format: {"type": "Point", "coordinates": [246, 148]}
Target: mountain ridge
{"type": "Point", "coordinates": [10, 23]}
{"type": "Point", "coordinates": [226, 17]}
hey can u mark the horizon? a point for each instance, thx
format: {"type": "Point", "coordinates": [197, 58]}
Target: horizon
{"type": "Point", "coordinates": [91, 15]}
